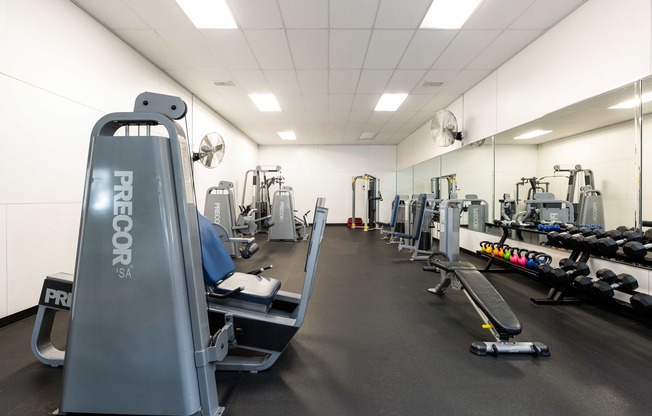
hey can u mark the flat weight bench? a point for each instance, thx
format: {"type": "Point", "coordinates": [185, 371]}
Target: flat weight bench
{"type": "Point", "coordinates": [491, 307]}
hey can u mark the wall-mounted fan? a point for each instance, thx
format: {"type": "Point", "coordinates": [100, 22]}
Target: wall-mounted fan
{"type": "Point", "coordinates": [211, 150]}
{"type": "Point", "coordinates": [444, 128]}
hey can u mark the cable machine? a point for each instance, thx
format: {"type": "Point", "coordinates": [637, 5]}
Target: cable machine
{"type": "Point", "coordinates": [372, 185]}
{"type": "Point", "coordinates": [260, 199]}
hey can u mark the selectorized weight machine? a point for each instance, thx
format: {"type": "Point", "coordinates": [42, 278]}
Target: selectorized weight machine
{"type": "Point", "coordinates": [156, 303]}
{"type": "Point", "coordinates": [237, 233]}
{"type": "Point", "coordinates": [372, 186]}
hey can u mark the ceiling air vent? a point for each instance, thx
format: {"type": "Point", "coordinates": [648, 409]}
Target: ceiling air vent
{"type": "Point", "coordinates": [368, 135]}
{"type": "Point", "coordinates": [432, 84]}
{"type": "Point", "coordinates": [224, 83]}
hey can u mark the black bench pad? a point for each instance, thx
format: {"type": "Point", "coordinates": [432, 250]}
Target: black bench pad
{"type": "Point", "coordinates": [485, 296]}
{"type": "Point", "coordinates": [257, 289]}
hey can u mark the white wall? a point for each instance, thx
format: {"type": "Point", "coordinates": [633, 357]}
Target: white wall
{"type": "Point", "coordinates": [326, 171]}
{"type": "Point", "coordinates": [60, 71]}
{"type": "Point", "coordinates": [602, 45]}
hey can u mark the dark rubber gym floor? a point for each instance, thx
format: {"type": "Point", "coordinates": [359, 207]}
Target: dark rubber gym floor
{"type": "Point", "coordinates": [375, 342]}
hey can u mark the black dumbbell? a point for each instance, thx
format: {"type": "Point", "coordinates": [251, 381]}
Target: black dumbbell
{"type": "Point", "coordinates": [589, 243]}
{"type": "Point", "coordinates": [636, 249]}
{"type": "Point", "coordinates": [584, 283]}
{"type": "Point", "coordinates": [641, 303]}
{"type": "Point", "coordinates": [554, 237]}
{"type": "Point", "coordinates": [623, 281]}
{"type": "Point", "coordinates": [609, 245]}
{"type": "Point", "coordinates": [559, 275]}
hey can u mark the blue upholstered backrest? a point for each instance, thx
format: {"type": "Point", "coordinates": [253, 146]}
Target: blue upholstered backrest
{"type": "Point", "coordinates": [216, 262]}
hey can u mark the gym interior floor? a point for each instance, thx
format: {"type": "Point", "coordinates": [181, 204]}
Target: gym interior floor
{"type": "Point", "coordinates": [376, 342]}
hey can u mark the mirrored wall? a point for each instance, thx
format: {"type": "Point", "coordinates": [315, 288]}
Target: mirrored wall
{"type": "Point", "coordinates": [590, 149]}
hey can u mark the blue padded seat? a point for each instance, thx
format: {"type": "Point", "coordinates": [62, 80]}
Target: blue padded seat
{"type": "Point", "coordinates": [219, 270]}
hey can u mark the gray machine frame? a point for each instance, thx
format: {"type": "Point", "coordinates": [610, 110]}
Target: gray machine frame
{"type": "Point", "coordinates": [287, 226]}
{"type": "Point", "coordinates": [233, 229]}
{"type": "Point", "coordinates": [156, 361]}
{"type": "Point", "coordinates": [262, 334]}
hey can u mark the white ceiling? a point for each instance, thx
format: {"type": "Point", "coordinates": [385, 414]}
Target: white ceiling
{"type": "Point", "coordinates": [328, 61]}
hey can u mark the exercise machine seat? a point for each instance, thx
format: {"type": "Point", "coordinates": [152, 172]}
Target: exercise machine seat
{"type": "Point", "coordinates": [257, 289]}
{"type": "Point", "coordinates": [486, 297]}
{"type": "Point", "coordinates": [219, 270]}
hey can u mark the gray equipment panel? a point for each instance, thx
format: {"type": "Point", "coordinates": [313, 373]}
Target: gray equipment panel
{"type": "Point", "coordinates": [139, 250]}
{"type": "Point", "coordinates": [283, 216]}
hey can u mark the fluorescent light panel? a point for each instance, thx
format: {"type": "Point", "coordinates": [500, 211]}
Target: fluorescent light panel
{"type": "Point", "coordinates": [286, 135]}
{"type": "Point", "coordinates": [645, 98]}
{"type": "Point", "coordinates": [532, 134]}
{"type": "Point", "coordinates": [390, 102]}
{"type": "Point", "coordinates": [265, 102]}
{"type": "Point", "coordinates": [448, 14]}
{"type": "Point", "coordinates": [208, 14]}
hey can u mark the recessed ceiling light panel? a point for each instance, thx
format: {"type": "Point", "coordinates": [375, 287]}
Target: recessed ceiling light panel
{"type": "Point", "coordinates": [532, 134]}
{"type": "Point", "coordinates": [287, 135]}
{"type": "Point", "coordinates": [390, 102]}
{"type": "Point", "coordinates": [208, 14]}
{"type": "Point", "coordinates": [265, 102]}
{"type": "Point", "coordinates": [448, 14]}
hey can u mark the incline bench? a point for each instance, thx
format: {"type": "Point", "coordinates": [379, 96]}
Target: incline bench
{"type": "Point", "coordinates": [491, 307]}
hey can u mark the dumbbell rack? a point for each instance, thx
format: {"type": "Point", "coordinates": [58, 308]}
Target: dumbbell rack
{"type": "Point", "coordinates": [557, 293]}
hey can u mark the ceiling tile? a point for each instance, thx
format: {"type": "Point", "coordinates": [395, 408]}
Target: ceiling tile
{"type": "Point", "coordinates": [271, 48]}
{"type": "Point", "coordinates": [437, 103]}
{"type": "Point", "coordinates": [393, 14]}
{"type": "Point", "coordinates": [309, 48]}
{"type": "Point", "coordinates": [160, 14]}
{"type": "Point", "coordinates": [360, 116]}
{"type": "Point", "coordinates": [414, 103]}
{"type": "Point", "coordinates": [464, 48]}
{"type": "Point", "coordinates": [401, 116]}
{"type": "Point", "coordinates": [252, 81]}
{"type": "Point", "coordinates": [434, 75]}
{"type": "Point", "coordinates": [115, 15]}
{"type": "Point", "coordinates": [342, 81]}
{"type": "Point", "coordinates": [347, 14]}
{"type": "Point", "coordinates": [290, 102]}
{"type": "Point", "coordinates": [283, 81]}
{"type": "Point", "coordinates": [338, 117]}
{"type": "Point", "coordinates": [544, 13]}
{"type": "Point", "coordinates": [405, 80]}
{"type": "Point", "coordinates": [380, 117]}
{"type": "Point", "coordinates": [316, 102]}
{"type": "Point", "coordinates": [256, 14]}
{"type": "Point", "coordinates": [373, 81]}
{"type": "Point", "coordinates": [365, 102]}
{"type": "Point", "coordinates": [313, 81]}
{"type": "Point", "coordinates": [315, 116]}
{"type": "Point", "coordinates": [464, 81]}
{"type": "Point", "coordinates": [191, 47]}
{"type": "Point", "coordinates": [424, 49]}
{"type": "Point", "coordinates": [509, 43]}
{"type": "Point", "coordinates": [496, 14]}
{"type": "Point", "coordinates": [386, 48]}
{"type": "Point", "coordinates": [304, 14]}
{"type": "Point", "coordinates": [232, 48]}
{"type": "Point", "coordinates": [338, 102]}
{"type": "Point", "coordinates": [152, 46]}
{"type": "Point", "coordinates": [347, 48]}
